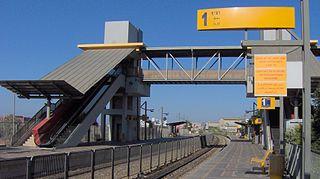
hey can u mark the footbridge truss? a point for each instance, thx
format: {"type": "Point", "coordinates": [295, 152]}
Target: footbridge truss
{"type": "Point", "coordinates": [195, 65]}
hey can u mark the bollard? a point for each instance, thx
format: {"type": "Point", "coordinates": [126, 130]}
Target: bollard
{"type": "Point", "coordinates": [180, 150]}
{"type": "Point", "coordinates": [184, 148]}
{"type": "Point", "coordinates": [159, 154]}
{"type": "Point", "coordinates": [66, 165]}
{"type": "Point", "coordinates": [92, 163]}
{"type": "Point", "coordinates": [171, 151]}
{"type": "Point", "coordinates": [128, 160]}
{"type": "Point", "coordinates": [112, 162]}
{"type": "Point", "coordinates": [140, 159]}
{"type": "Point", "coordinates": [177, 151]}
{"type": "Point", "coordinates": [165, 160]}
{"type": "Point", "coordinates": [187, 147]}
{"type": "Point", "coordinates": [194, 145]}
{"type": "Point", "coordinates": [150, 157]}
{"type": "Point", "coordinates": [29, 168]}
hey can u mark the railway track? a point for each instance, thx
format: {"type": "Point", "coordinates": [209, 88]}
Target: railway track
{"type": "Point", "coordinates": [177, 169]}
{"type": "Point", "coordinates": [169, 170]}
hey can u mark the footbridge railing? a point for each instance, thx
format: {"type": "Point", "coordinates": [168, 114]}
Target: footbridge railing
{"type": "Point", "coordinates": [195, 65]}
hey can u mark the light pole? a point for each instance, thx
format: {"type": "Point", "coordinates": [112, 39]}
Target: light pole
{"type": "Point", "coordinates": [145, 117]}
{"type": "Point", "coordinates": [161, 120]}
{"type": "Point", "coordinates": [306, 94]}
{"type": "Point", "coordinates": [14, 113]}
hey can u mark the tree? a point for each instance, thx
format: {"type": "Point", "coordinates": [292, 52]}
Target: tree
{"type": "Point", "coordinates": [315, 139]}
{"type": "Point", "coordinates": [294, 134]}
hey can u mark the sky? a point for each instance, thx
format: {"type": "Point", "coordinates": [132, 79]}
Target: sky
{"type": "Point", "coordinates": [39, 35]}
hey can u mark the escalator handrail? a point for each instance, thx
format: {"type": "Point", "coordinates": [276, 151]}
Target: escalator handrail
{"type": "Point", "coordinates": [27, 127]}
{"type": "Point", "coordinates": [75, 116]}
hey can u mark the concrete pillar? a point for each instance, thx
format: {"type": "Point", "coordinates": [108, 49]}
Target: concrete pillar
{"type": "Point", "coordinates": [89, 134]}
{"type": "Point", "coordinates": [296, 108]}
{"type": "Point", "coordinates": [267, 130]}
{"type": "Point", "coordinates": [124, 121]}
{"type": "Point", "coordinates": [110, 129]}
{"type": "Point", "coordinates": [281, 125]}
{"type": "Point", "coordinates": [103, 126]}
{"type": "Point", "coordinates": [48, 108]}
{"type": "Point", "coordinates": [137, 103]}
{"type": "Point", "coordinates": [266, 134]}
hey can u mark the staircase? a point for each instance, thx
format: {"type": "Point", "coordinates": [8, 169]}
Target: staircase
{"type": "Point", "coordinates": [29, 142]}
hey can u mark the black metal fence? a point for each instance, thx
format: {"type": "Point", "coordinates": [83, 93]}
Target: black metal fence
{"type": "Point", "coordinates": [115, 162]}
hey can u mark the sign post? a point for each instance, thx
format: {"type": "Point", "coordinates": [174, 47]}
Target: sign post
{"type": "Point", "coordinates": [306, 94]}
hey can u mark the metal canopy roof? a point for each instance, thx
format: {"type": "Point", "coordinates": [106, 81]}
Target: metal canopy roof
{"type": "Point", "coordinates": [197, 51]}
{"type": "Point", "coordinates": [72, 79]}
{"type": "Point", "coordinates": [41, 88]}
{"type": "Point", "coordinates": [85, 70]}
{"type": "Point", "coordinates": [176, 123]}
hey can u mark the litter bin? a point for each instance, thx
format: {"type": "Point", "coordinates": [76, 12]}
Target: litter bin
{"type": "Point", "coordinates": [276, 166]}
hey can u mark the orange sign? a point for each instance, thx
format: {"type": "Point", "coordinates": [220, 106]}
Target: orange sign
{"type": "Point", "coordinates": [270, 75]}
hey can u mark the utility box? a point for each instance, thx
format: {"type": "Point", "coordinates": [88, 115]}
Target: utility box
{"type": "Point", "coordinates": [276, 166]}
{"type": "Point", "coordinates": [117, 32]}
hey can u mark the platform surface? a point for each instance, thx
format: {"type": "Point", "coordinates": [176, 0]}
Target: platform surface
{"type": "Point", "coordinates": [232, 162]}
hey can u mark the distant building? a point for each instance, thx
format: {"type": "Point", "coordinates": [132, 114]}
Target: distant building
{"type": "Point", "coordinates": [196, 127]}
{"type": "Point", "coordinates": [18, 119]}
{"type": "Point", "coordinates": [213, 124]}
{"type": "Point", "coordinates": [226, 124]}
{"type": "Point", "coordinates": [229, 125]}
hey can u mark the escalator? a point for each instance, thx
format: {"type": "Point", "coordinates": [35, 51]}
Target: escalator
{"type": "Point", "coordinates": [25, 131]}
{"type": "Point", "coordinates": [73, 118]}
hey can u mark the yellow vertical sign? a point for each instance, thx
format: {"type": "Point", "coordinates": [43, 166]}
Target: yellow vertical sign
{"type": "Point", "coordinates": [270, 75]}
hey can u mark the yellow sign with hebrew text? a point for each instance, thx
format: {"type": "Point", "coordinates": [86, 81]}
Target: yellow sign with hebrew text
{"type": "Point", "coordinates": [246, 18]}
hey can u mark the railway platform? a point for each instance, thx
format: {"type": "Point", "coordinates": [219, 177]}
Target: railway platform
{"type": "Point", "coordinates": [232, 162]}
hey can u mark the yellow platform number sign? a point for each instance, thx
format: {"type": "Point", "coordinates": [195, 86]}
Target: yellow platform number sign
{"type": "Point", "coordinates": [266, 103]}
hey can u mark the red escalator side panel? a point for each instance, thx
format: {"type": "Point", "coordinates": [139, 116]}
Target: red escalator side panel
{"type": "Point", "coordinates": [35, 131]}
{"type": "Point", "coordinates": [41, 130]}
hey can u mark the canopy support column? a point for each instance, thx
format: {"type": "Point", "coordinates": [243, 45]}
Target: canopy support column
{"type": "Point", "coordinates": [48, 107]}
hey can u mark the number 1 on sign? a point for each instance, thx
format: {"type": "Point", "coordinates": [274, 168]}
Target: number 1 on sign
{"type": "Point", "coordinates": [205, 18]}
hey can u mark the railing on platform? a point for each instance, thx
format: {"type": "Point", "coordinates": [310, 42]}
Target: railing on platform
{"type": "Point", "coordinates": [294, 161]}
{"type": "Point", "coordinates": [116, 162]}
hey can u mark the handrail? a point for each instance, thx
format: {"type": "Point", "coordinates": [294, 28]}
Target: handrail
{"type": "Point", "coordinates": [25, 131]}
{"type": "Point", "coordinates": [312, 150]}
{"type": "Point", "coordinates": [75, 117]}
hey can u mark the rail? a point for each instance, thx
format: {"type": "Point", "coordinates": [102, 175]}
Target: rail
{"type": "Point", "coordinates": [294, 161]}
{"type": "Point", "coordinates": [110, 162]}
